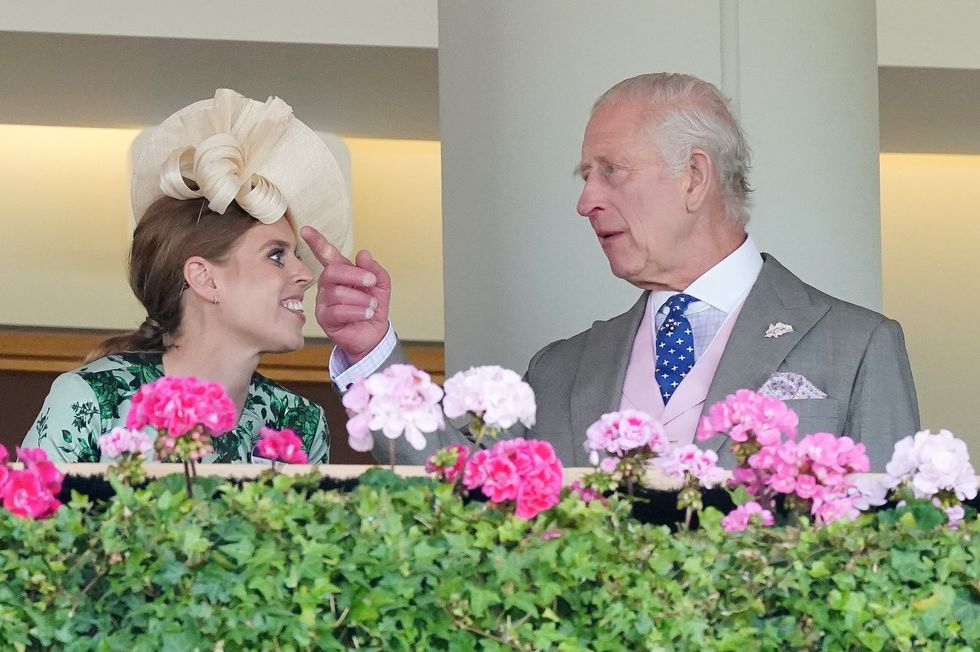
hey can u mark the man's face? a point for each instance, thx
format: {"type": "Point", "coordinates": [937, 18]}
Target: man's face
{"type": "Point", "coordinates": [636, 209]}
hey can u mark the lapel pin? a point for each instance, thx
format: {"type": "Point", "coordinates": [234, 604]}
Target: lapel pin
{"type": "Point", "coordinates": [777, 329]}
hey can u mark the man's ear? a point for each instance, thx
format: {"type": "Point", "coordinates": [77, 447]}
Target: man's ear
{"type": "Point", "coordinates": [701, 179]}
{"type": "Point", "coordinates": [199, 277]}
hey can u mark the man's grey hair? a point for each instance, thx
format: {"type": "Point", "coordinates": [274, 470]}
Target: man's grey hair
{"type": "Point", "coordinates": [688, 113]}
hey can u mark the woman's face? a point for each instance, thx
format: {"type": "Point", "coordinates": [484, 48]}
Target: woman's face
{"type": "Point", "coordinates": [260, 290]}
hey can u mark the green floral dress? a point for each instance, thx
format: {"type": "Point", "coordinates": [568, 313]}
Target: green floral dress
{"type": "Point", "coordinates": [93, 399]}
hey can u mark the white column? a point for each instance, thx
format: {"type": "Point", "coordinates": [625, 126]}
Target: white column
{"type": "Point", "coordinates": [516, 83]}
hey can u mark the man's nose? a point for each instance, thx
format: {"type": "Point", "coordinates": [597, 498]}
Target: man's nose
{"type": "Point", "coordinates": [588, 201]}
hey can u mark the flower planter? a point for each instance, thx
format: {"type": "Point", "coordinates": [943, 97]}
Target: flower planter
{"type": "Point", "coordinates": [649, 505]}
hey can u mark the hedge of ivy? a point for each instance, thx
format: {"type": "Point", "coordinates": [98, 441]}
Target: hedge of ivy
{"type": "Point", "coordinates": [399, 564]}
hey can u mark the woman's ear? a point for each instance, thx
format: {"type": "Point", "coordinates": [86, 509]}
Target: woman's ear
{"type": "Point", "coordinates": [199, 277]}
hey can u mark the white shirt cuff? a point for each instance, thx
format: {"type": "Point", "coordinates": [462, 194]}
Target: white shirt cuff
{"type": "Point", "coordinates": [344, 374]}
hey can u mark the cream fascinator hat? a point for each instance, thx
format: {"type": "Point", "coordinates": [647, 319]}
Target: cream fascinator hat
{"type": "Point", "coordinates": [258, 154]}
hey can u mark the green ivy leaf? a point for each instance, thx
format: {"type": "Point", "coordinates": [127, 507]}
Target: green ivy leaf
{"type": "Point", "coordinates": [406, 564]}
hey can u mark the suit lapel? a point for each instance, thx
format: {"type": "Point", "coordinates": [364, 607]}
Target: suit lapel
{"type": "Point", "coordinates": [750, 357]}
{"type": "Point", "coordinates": [598, 385]}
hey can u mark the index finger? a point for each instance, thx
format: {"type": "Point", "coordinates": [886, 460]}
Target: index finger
{"type": "Point", "coordinates": [322, 248]}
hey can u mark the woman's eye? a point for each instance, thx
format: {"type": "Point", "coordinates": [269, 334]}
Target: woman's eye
{"type": "Point", "coordinates": [278, 257]}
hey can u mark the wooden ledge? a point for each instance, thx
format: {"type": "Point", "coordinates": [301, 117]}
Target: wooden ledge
{"type": "Point", "coordinates": [59, 350]}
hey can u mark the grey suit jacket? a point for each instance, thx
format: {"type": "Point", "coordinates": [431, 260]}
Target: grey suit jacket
{"type": "Point", "coordinates": [855, 355]}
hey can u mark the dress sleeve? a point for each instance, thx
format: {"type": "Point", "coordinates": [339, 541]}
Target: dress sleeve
{"type": "Point", "coordinates": [69, 424]}
{"type": "Point", "coordinates": [319, 452]}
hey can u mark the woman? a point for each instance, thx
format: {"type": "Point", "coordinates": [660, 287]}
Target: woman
{"type": "Point", "coordinates": [221, 190]}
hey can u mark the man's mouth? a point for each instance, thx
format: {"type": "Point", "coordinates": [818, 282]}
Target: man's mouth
{"type": "Point", "coordinates": [606, 237]}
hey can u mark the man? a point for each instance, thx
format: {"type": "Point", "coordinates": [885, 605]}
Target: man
{"type": "Point", "coordinates": [664, 166]}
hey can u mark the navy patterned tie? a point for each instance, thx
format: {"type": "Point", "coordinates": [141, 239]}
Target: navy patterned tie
{"type": "Point", "coordinates": [675, 346]}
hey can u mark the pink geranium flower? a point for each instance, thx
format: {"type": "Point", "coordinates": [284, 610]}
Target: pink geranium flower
{"type": "Point", "coordinates": [25, 495]}
{"type": "Point", "coordinates": [30, 492]}
{"type": "Point", "coordinates": [120, 441]}
{"type": "Point", "coordinates": [475, 471]}
{"type": "Point", "coordinates": [954, 514]}
{"type": "Point", "coordinates": [748, 416]}
{"type": "Point", "coordinates": [178, 405]}
{"type": "Point", "coordinates": [447, 463]}
{"type": "Point", "coordinates": [36, 462]}
{"type": "Point", "coordinates": [815, 473]}
{"type": "Point", "coordinates": [526, 472]}
{"type": "Point", "coordinates": [619, 433]}
{"type": "Point", "coordinates": [281, 445]}
{"type": "Point", "coordinates": [689, 461]}
{"type": "Point", "coordinates": [186, 414]}
{"type": "Point", "coordinates": [609, 464]}
{"type": "Point", "coordinates": [830, 506]}
{"type": "Point", "coordinates": [587, 494]}
{"type": "Point", "coordinates": [4, 471]}
{"type": "Point", "coordinates": [742, 516]}
{"type": "Point", "coordinates": [695, 469]}
{"type": "Point", "coordinates": [502, 480]}
{"type": "Point", "coordinates": [623, 443]}
{"type": "Point", "coordinates": [401, 400]}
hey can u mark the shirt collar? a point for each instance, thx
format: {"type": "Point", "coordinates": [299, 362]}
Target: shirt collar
{"type": "Point", "coordinates": [724, 285]}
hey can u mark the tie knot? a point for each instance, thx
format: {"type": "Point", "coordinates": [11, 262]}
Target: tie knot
{"type": "Point", "coordinates": [677, 304]}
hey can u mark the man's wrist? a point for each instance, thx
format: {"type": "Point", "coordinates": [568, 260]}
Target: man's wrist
{"type": "Point", "coordinates": [344, 371]}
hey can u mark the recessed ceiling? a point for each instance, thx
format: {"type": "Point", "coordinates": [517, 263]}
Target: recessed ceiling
{"type": "Point", "coordinates": [365, 91]}
{"type": "Point", "coordinates": [929, 110]}
{"type": "Point", "coordinates": [113, 81]}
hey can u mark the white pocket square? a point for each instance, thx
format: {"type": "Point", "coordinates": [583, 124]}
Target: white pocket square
{"type": "Point", "coordinates": [789, 386]}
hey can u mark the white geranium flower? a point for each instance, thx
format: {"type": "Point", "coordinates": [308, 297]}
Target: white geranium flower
{"type": "Point", "coordinates": [907, 455]}
{"type": "Point", "coordinates": [945, 466]}
{"type": "Point", "coordinates": [499, 396]}
{"type": "Point", "coordinates": [867, 491]}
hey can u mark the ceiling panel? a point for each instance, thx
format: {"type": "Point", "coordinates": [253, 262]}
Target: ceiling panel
{"type": "Point", "coordinates": [111, 81]}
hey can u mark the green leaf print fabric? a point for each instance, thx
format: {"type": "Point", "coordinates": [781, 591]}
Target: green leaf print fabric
{"type": "Point", "coordinates": [92, 400]}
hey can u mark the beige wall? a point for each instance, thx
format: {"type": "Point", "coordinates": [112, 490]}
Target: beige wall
{"type": "Point", "coordinates": [933, 34]}
{"type": "Point", "coordinates": [930, 231]}
{"type": "Point", "coordinates": [390, 23]}
{"type": "Point", "coordinates": [397, 190]}
{"type": "Point", "coordinates": [65, 227]}
{"type": "Point", "coordinates": [64, 210]}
